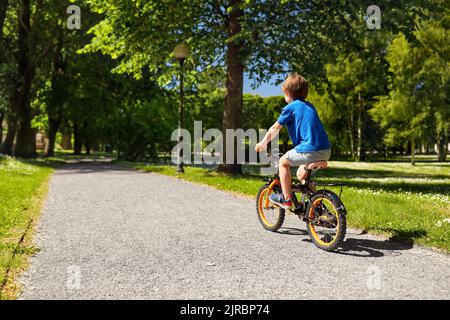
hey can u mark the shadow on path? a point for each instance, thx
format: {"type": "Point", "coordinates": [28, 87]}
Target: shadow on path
{"type": "Point", "coordinates": [93, 166]}
{"type": "Point", "coordinates": [372, 248]}
{"type": "Point", "coordinates": [292, 231]}
{"type": "Point", "coordinates": [359, 247]}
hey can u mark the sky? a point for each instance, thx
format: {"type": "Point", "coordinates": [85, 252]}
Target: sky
{"type": "Point", "coordinates": [266, 89]}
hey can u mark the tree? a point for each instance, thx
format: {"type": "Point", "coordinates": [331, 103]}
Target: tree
{"type": "Point", "coordinates": [417, 104]}
{"type": "Point", "coordinates": [7, 69]}
{"type": "Point", "coordinates": [354, 81]}
{"type": "Point", "coordinates": [402, 110]}
{"type": "Point", "coordinates": [64, 44]}
{"type": "Point", "coordinates": [28, 45]}
{"type": "Point", "coordinates": [334, 117]}
{"type": "Point", "coordinates": [87, 106]}
{"type": "Point", "coordinates": [26, 71]}
{"type": "Point", "coordinates": [213, 30]}
{"type": "Point", "coordinates": [58, 92]}
{"type": "Point", "coordinates": [2, 118]}
{"type": "Point", "coordinates": [3, 9]}
{"type": "Point", "coordinates": [260, 37]}
{"type": "Point", "coordinates": [24, 53]}
{"type": "Point", "coordinates": [6, 39]}
{"type": "Point", "coordinates": [434, 41]}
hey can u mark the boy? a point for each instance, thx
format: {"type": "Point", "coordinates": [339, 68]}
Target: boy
{"type": "Point", "coordinates": [306, 132]}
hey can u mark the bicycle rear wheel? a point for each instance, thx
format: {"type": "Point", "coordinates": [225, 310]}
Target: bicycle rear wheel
{"type": "Point", "coordinates": [270, 216]}
{"type": "Point", "coordinates": [326, 223]}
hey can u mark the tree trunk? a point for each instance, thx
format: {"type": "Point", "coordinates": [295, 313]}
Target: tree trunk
{"type": "Point", "coordinates": [52, 131]}
{"type": "Point", "coordinates": [78, 141]}
{"type": "Point", "coordinates": [352, 144]}
{"type": "Point", "coordinates": [56, 103]}
{"type": "Point", "coordinates": [66, 139]}
{"type": "Point", "coordinates": [442, 144]}
{"type": "Point", "coordinates": [96, 147]}
{"type": "Point", "coordinates": [232, 115]}
{"type": "Point", "coordinates": [25, 140]}
{"type": "Point", "coordinates": [413, 151]}
{"type": "Point", "coordinates": [8, 144]}
{"type": "Point", "coordinates": [2, 116]}
{"type": "Point", "coordinates": [446, 145]}
{"type": "Point", "coordinates": [86, 137]}
{"type": "Point", "coordinates": [359, 147]}
{"type": "Point", "coordinates": [3, 8]}
{"type": "Point", "coordinates": [87, 145]}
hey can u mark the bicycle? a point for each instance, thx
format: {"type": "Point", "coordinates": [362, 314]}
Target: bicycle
{"type": "Point", "coordinates": [322, 210]}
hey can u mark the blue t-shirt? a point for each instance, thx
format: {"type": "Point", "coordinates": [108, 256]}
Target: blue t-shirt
{"type": "Point", "coordinates": [305, 128]}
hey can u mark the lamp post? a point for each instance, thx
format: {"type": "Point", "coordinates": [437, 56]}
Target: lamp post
{"type": "Point", "coordinates": [181, 51]}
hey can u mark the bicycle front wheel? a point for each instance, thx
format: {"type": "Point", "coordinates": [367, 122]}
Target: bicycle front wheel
{"type": "Point", "coordinates": [270, 216]}
{"type": "Point", "coordinates": [326, 223]}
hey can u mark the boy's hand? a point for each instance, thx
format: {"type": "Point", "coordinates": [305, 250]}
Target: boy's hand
{"type": "Point", "coordinates": [260, 147]}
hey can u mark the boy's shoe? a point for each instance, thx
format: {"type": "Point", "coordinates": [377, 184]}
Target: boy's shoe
{"type": "Point", "coordinates": [279, 200]}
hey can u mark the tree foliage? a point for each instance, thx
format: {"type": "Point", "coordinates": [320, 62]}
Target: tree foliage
{"type": "Point", "coordinates": [416, 106]}
{"type": "Point", "coordinates": [115, 81]}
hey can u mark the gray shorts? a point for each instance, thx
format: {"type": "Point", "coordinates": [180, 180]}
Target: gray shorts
{"type": "Point", "coordinates": [300, 158]}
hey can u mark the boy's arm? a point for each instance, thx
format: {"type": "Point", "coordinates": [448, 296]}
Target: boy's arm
{"type": "Point", "coordinates": [272, 133]}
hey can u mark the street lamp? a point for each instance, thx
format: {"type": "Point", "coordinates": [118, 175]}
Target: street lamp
{"type": "Point", "coordinates": [181, 52]}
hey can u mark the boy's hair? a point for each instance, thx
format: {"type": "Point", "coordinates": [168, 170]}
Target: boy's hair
{"type": "Point", "coordinates": [295, 86]}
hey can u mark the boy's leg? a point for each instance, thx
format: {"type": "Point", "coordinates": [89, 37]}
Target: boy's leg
{"type": "Point", "coordinates": [285, 177]}
{"type": "Point", "coordinates": [283, 200]}
{"type": "Point", "coordinates": [301, 173]}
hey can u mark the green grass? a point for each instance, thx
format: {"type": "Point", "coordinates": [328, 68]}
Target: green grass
{"type": "Point", "coordinates": [397, 200]}
{"type": "Point", "coordinates": [23, 187]}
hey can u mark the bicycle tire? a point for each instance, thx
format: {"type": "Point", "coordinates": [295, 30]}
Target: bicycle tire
{"type": "Point", "coordinates": [261, 216]}
{"type": "Point", "coordinates": [341, 220]}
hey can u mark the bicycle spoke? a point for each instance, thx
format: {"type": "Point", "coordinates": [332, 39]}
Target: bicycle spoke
{"type": "Point", "coordinates": [326, 223]}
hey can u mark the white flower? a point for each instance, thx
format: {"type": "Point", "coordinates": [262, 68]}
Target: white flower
{"type": "Point", "coordinates": [441, 223]}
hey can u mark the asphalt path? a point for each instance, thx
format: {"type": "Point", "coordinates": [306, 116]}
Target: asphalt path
{"type": "Point", "coordinates": [111, 233]}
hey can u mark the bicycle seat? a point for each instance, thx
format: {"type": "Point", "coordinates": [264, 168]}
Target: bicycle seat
{"type": "Point", "coordinates": [316, 165]}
